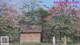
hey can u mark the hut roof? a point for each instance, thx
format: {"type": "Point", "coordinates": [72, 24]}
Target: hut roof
{"type": "Point", "coordinates": [31, 28]}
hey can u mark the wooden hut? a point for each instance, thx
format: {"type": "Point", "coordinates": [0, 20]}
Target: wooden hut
{"type": "Point", "coordinates": [30, 33]}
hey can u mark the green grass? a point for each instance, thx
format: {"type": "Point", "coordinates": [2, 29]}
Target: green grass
{"type": "Point", "coordinates": [31, 43]}
{"type": "Point", "coordinates": [34, 43]}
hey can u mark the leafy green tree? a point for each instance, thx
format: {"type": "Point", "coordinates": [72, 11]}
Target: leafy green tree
{"type": "Point", "coordinates": [59, 26]}
{"type": "Point", "coordinates": [35, 17]}
{"type": "Point", "coordinates": [63, 24]}
{"type": "Point", "coordinates": [8, 23]}
{"type": "Point", "coordinates": [65, 17]}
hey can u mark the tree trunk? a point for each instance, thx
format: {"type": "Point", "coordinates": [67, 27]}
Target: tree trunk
{"type": "Point", "coordinates": [65, 40]}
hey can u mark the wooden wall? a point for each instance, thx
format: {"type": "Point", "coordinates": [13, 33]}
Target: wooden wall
{"type": "Point", "coordinates": [30, 37]}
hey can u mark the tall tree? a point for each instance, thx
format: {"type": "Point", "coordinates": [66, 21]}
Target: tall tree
{"type": "Point", "coordinates": [8, 16]}
{"type": "Point", "coordinates": [63, 15]}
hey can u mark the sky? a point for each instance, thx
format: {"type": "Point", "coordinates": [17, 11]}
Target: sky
{"type": "Point", "coordinates": [48, 3]}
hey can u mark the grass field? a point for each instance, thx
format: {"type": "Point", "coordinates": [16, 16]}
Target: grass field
{"type": "Point", "coordinates": [40, 44]}
{"type": "Point", "coordinates": [31, 44]}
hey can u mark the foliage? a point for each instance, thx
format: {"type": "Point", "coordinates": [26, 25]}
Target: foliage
{"type": "Point", "coordinates": [65, 20]}
{"type": "Point", "coordinates": [63, 24]}
{"type": "Point", "coordinates": [8, 20]}
{"type": "Point", "coordinates": [59, 26]}
{"type": "Point", "coordinates": [32, 12]}
{"type": "Point", "coordinates": [63, 9]}
{"type": "Point", "coordinates": [34, 17]}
